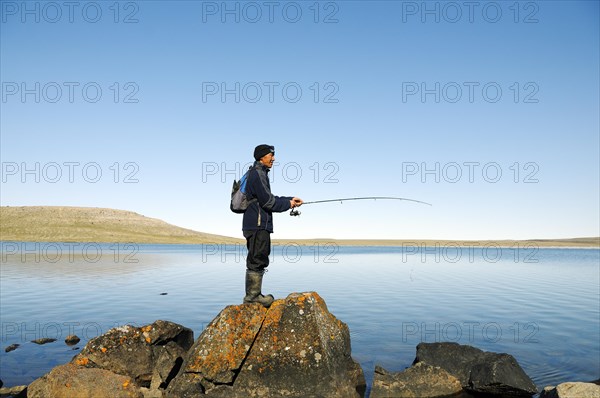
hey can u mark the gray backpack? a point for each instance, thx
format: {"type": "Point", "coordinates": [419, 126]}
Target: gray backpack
{"type": "Point", "coordinates": [239, 200]}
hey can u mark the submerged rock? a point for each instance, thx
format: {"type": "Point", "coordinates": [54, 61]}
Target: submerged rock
{"type": "Point", "coordinates": [420, 380]}
{"type": "Point", "coordinates": [11, 347]}
{"type": "Point", "coordinates": [478, 371]}
{"type": "Point", "coordinates": [72, 339]}
{"type": "Point", "coordinates": [572, 390]}
{"type": "Point", "coordinates": [44, 340]}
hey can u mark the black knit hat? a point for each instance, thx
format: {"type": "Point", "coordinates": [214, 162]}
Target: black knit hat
{"type": "Point", "coordinates": [262, 150]}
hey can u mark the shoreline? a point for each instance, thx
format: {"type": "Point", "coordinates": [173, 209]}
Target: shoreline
{"type": "Point", "coordinates": [580, 243]}
{"type": "Point", "coordinates": [408, 243]}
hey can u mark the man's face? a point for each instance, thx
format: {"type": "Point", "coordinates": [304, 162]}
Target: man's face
{"type": "Point", "coordinates": [268, 160]}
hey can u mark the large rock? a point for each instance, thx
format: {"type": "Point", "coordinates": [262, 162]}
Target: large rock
{"type": "Point", "coordinates": [151, 355]}
{"type": "Point", "coordinates": [296, 348]}
{"type": "Point", "coordinates": [477, 370]}
{"type": "Point", "coordinates": [71, 381]}
{"type": "Point", "coordinates": [572, 390]}
{"type": "Point", "coordinates": [418, 381]}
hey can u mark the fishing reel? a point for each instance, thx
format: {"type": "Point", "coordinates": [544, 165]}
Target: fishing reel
{"type": "Point", "coordinates": [295, 212]}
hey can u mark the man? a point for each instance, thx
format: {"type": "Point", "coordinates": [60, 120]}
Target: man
{"type": "Point", "coordinates": [258, 222]}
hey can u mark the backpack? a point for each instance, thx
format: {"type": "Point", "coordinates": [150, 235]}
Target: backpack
{"type": "Point", "coordinates": [239, 200]}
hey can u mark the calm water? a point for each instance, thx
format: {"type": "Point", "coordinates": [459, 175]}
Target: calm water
{"type": "Point", "coordinates": [542, 306]}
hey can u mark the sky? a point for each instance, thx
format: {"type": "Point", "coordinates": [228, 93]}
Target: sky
{"type": "Point", "coordinates": [488, 110]}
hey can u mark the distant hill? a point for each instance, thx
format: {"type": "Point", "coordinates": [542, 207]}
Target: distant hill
{"type": "Point", "coordinates": [92, 224]}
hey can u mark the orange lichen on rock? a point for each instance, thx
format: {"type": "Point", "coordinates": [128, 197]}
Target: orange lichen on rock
{"type": "Point", "coordinates": [224, 343]}
{"type": "Point", "coordinates": [274, 314]}
{"type": "Point", "coordinates": [82, 361]}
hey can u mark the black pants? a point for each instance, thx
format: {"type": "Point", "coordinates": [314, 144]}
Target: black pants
{"type": "Point", "coordinates": [259, 247]}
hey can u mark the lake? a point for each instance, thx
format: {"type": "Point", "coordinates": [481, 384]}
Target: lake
{"type": "Point", "coordinates": [540, 305]}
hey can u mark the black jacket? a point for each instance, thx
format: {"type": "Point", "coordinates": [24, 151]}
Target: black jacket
{"type": "Point", "coordinates": [259, 214]}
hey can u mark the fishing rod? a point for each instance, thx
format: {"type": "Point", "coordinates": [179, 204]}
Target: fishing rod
{"type": "Point", "coordinates": [295, 212]}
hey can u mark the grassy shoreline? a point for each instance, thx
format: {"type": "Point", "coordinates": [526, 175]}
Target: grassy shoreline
{"type": "Point", "coordinates": [101, 225]}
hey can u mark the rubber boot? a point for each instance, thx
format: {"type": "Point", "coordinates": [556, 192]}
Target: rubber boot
{"type": "Point", "coordinates": [253, 289]}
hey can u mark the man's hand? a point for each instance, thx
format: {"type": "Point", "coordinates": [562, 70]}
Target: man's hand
{"type": "Point", "coordinates": [296, 202]}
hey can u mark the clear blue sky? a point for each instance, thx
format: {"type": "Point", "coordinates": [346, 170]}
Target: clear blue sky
{"type": "Point", "coordinates": [425, 100]}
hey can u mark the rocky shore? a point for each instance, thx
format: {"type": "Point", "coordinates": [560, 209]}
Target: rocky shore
{"type": "Point", "coordinates": [296, 348]}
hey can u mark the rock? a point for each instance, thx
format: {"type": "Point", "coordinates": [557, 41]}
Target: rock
{"type": "Point", "coordinates": [302, 350]}
{"type": "Point", "coordinates": [456, 359]}
{"type": "Point", "coordinates": [148, 393]}
{"type": "Point", "coordinates": [72, 339]}
{"type": "Point", "coordinates": [500, 374]}
{"type": "Point", "coordinates": [44, 340]}
{"type": "Point", "coordinates": [13, 392]}
{"type": "Point", "coordinates": [149, 354]}
{"type": "Point", "coordinates": [73, 381]}
{"type": "Point", "coordinates": [418, 381]}
{"type": "Point", "coordinates": [167, 365]}
{"type": "Point", "coordinates": [222, 347]}
{"type": "Point", "coordinates": [296, 348]}
{"type": "Point", "coordinates": [477, 370]}
{"type": "Point", "coordinates": [187, 385]}
{"type": "Point", "coordinates": [572, 390]}
{"type": "Point", "coordinates": [10, 348]}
